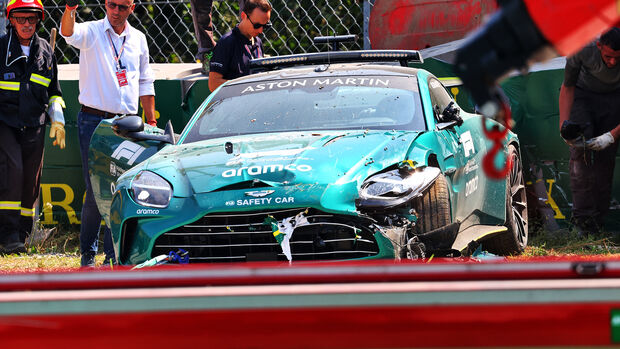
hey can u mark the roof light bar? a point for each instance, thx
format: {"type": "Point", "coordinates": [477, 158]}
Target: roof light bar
{"type": "Point", "coordinates": [402, 56]}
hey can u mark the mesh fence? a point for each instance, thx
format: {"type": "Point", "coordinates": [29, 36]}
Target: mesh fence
{"type": "Point", "coordinates": [170, 33]}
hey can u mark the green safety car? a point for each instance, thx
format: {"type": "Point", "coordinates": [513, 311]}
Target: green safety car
{"type": "Point", "coordinates": [322, 156]}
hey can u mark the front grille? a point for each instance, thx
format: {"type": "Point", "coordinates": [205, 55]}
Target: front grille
{"type": "Point", "coordinates": [235, 237]}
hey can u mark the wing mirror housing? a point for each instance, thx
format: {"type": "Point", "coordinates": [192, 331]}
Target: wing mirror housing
{"type": "Point", "coordinates": [132, 127]}
{"type": "Point", "coordinates": [450, 117]}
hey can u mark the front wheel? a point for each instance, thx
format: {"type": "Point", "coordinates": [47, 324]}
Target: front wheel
{"type": "Point", "coordinates": [514, 240]}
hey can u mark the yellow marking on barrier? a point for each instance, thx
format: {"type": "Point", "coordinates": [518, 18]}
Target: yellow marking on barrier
{"type": "Point", "coordinates": [46, 197]}
{"type": "Point", "coordinates": [551, 202]}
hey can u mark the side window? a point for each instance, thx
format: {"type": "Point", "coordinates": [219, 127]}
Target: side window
{"type": "Point", "coordinates": [440, 98]}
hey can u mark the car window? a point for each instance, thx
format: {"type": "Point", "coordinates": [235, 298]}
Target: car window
{"type": "Point", "coordinates": [313, 104]}
{"type": "Point", "coordinates": [440, 97]}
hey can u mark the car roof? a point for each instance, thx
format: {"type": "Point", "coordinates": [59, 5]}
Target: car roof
{"type": "Point", "coordinates": [339, 69]}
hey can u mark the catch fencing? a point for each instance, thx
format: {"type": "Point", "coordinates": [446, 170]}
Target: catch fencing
{"type": "Point", "coordinates": [170, 33]}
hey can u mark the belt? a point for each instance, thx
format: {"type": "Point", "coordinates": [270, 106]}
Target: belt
{"type": "Point", "coordinates": [103, 114]}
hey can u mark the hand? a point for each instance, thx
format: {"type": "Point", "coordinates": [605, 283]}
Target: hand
{"type": "Point", "coordinates": [72, 4]}
{"type": "Point", "coordinates": [601, 142]}
{"type": "Point", "coordinates": [58, 131]}
{"type": "Point", "coordinates": [575, 143]}
{"type": "Point", "coordinates": [152, 122]}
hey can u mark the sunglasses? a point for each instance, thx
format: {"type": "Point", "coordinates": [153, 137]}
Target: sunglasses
{"type": "Point", "coordinates": [113, 6]}
{"type": "Point", "coordinates": [22, 20]}
{"type": "Point", "coordinates": [258, 25]}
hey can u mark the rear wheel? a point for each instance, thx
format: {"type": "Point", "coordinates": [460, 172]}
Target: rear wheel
{"type": "Point", "coordinates": [514, 240]}
{"type": "Point", "coordinates": [434, 207]}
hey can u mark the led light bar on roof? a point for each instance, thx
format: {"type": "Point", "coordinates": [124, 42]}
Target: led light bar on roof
{"type": "Point", "coordinates": [402, 56]}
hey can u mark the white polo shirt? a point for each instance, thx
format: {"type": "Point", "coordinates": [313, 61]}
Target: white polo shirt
{"type": "Point", "coordinates": [99, 86]}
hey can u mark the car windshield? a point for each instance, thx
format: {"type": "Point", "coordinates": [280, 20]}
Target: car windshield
{"type": "Point", "coordinates": [313, 104]}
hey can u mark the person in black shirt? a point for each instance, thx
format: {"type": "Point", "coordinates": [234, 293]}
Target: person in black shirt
{"type": "Point", "coordinates": [234, 50]}
{"type": "Point", "coordinates": [590, 98]}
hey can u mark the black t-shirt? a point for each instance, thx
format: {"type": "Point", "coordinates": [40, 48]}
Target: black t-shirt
{"type": "Point", "coordinates": [586, 70]}
{"type": "Point", "coordinates": [232, 54]}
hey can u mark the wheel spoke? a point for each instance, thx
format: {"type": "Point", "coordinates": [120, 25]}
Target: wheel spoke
{"type": "Point", "coordinates": [516, 188]}
{"type": "Point", "coordinates": [520, 222]}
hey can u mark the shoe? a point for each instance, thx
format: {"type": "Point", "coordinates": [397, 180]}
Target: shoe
{"type": "Point", "coordinates": [12, 248]}
{"type": "Point", "coordinates": [108, 261]}
{"type": "Point", "coordinates": [206, 59]}
{"type": "Point", "coordinates": [87, 261]}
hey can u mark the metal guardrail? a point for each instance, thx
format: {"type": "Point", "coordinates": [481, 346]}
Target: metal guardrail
{"type": "Point", "coordinates": [169, 28]}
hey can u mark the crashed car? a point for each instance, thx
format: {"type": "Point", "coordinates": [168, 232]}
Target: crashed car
{"type": "Point", "coordinates": [321, 156]}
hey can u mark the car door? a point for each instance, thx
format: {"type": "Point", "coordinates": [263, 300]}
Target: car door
{"type": "Point", "coordinates": [460, 148]}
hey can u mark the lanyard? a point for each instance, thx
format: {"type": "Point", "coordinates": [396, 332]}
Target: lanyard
{"type": "Point", "coordinates": [259, 53]}
{"type": "Point", "coordinates": [117, 55]}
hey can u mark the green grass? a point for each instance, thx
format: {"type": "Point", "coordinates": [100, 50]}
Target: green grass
{"type": "Point", "coordinates": [57, 249]}
{"type": "Point", "coordinates": [52, 249]}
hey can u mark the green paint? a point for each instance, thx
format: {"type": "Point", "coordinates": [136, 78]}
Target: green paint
{"type": "Point", "coordinates": [615, 325]}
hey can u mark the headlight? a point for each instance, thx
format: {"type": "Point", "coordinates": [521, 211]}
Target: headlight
{"type": "Point", "coordinates": [151, 190]}
{"type": "Point", "coordinates": [395, 187]}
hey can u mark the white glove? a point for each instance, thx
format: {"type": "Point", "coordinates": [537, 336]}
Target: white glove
{"type": "Point", "coordinates": [55, 111]}
{"type": "Point", "coordinates": [601, 142]}
{"type": "Point", "coordinates": [57, 129]}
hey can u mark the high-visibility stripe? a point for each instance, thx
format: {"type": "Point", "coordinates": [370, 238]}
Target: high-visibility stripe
{"type": "Point", "coordinates": [9, 85]}
{"type": "Point", "coordinates": [59, 100]}
{"type": "Point", "coordinates": [10, 205]}
{"type": "Point", "coordinates": [40, 79]}
{"type": "Point", "coordinates": [28, 212]}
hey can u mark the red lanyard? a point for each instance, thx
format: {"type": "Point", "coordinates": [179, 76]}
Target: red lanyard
{"type": "Point", "coordinates": [117, 57]}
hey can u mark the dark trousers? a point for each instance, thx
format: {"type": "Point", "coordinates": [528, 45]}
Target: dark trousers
{"type": "Point", "coordinates": [91, 218]}
{"type": "Point", "coordinates": [21, 160]}
{"type": "Point", "coordinates": [203, 24]}
{"type": "Point", "coordinates": [591, 172]}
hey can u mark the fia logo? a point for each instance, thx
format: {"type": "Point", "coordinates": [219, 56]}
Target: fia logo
{"type": "Point", "coordinates": [9, 76]}
{"type": "Point", "coordinates": [128, 150]}
{"type": "Point", "coordinates": [468, 143]}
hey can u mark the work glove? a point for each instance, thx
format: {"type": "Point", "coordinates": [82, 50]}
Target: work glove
{"type": "Point", "coordinates": [57, 130]}
{"type": "Point", "coordinates": [72, 4]}
{"type": "Point", "coordinates": [601, 142]}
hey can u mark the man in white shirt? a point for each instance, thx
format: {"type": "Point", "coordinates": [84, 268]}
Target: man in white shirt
{"type": "Point", "coordinates": [114, 75]}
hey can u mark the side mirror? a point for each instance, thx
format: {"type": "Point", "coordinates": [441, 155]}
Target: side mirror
{"type": "Point", "coordinates": [444, 125]}
{"type": "Point", "coordinates": [127, 124]}
{"type": "Point", "coordinates": [451, 113]}
{"type": "Point", "coordinates": [131, 127]}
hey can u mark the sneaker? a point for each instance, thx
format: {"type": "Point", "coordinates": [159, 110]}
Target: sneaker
{"type": "Point", "coordinates": [87, 261]}
{"type": "Point", "coordinates": [206, 59]}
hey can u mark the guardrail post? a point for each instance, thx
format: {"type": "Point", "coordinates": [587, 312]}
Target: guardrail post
{"type": "Point", "coordinates": [367, 6]}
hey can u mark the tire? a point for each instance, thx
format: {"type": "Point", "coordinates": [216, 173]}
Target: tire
{"type": "Point", "coordinates": [513, 241]}
{"type": "Point", "coordinates": [434, 207]}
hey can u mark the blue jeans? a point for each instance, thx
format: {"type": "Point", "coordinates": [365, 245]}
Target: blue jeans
{"type": "Point", "coordinates": [91, 218]}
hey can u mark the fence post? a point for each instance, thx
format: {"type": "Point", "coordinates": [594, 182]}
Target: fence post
{"type": "Point", "coordinates": [367, 7]}
{"type": "Point", "coordinates": [2, 17]}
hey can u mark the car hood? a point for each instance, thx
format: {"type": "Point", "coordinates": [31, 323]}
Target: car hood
{"type": "Point", "coordinates": [280, 159]}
